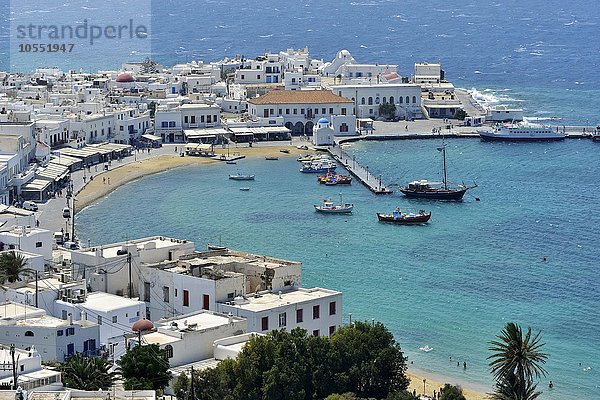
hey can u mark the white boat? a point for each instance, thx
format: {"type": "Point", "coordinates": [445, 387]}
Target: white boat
{"type": "Point", "coordinates": [521, 132]}
{"type": "Point", "coordinates": [426, 348]}
{"type": "Point", "coordinates": [329, 207]}
{"type": "Point", "coordinates": [241, 177]}
{"type": "Point", "coordinates": [324, 165]}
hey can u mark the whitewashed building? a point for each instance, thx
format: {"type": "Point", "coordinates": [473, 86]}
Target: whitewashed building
{"type": "Point", "coordinates": [30, 372]}
{"type": "Point", "coordinates": [26, 238]}
{"type": "Point", "coordinates": [318, 311]}
{"type": "Point", "coordinates": [301, 109]}
{"type": "Point", "coordinates": [366, 99]}
{"type": "Point", "coordinates": [26, 326]}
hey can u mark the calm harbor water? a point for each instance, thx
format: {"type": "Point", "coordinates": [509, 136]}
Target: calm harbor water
{"type": "Point", "coordinates": [452, 284]}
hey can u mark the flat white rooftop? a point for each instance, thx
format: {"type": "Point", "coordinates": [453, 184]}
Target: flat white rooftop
{"type": "Point", "coordinates": [267, 301]}
{"type": "Point", "coordinates": [203, 320]}
{"type": "Point", "coordinates": [106, 302]}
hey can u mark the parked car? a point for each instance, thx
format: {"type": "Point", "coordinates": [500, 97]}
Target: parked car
{"type": "Point", "coordinates": [30, 205]}
{"type": "Point", "coordinates": [67, 212]}
{"type": "Point", "coordinates": [71, 246]}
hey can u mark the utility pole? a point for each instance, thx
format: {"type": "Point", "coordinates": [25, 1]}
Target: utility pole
{"type": "Point", "coordinates": [193, 393]}
{"type": "Point", "coordinates": [36, 289]}
{"type": "Point", "coordinates": [14, 366]}
{"type": "Point", "coordinates": [129, 287]}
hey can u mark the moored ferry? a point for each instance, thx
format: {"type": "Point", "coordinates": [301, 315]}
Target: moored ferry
{"type": "Point", "coordinates": [523, 131]}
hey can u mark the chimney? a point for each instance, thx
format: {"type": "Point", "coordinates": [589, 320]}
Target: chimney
{"type": "Point", "coordinates": [70, 319]}
{"type": "Point", "coordinates": [230, 318]}
{"type": "Point", "coordinates": [280, 294]}
{"type": "Point", "coordinates": [83, 315]}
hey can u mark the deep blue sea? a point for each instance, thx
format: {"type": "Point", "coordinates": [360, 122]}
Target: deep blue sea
{"type": "Point", "coordinates": [452, 284]}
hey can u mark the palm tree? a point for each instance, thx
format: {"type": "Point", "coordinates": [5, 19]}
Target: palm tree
{"type": "Point", "coordinates": [13, 267]}
{"type": "Point", "coordinates": [516, 361]}
{"type": "Point", "coordinates": [88, 373]}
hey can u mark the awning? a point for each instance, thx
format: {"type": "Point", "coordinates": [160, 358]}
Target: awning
{"type": "Point", "coordinates": [52, 172]}
{"type": "Point", "coordinates": [37, 185]}
{"type": "Point", "coordinates": [197, 146]}
{"type": "Point", "coordinates": [151, 137]}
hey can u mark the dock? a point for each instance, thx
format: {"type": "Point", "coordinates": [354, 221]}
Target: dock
{"type": "Point", "coordinates": [362, 174]}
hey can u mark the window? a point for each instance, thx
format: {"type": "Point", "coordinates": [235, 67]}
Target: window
{"type": "Point", "coordinates": [384, 100]}
{"type": "Point", "coordinates": [114, 319]}
{"type": "Point", "coordinates": [59, 332]}
{"type": "Point", "coordinates": [331, 111]}
{"type": "Point", "coordinates": [414, 99]}
{"type": "Point", "coordinates": [193, 119]}
{"type": "Point", "coordinates": [344, 127]}
{"type": "Point", "coordinates": [164, 124]}
{"type": "Point", "coordinates": [400, 99]}
{"type": "Point", "coordinates": [343, 111]}
{"type": "Point", "coordinates": [186, 119]}
{"type": "Point", "coordinates": [407, 99]}
{"type": "Point", "coordinates": [171, 124]}
{"type": "Point", "coordinates": [282, 320]}
{"type": "Point", "coordinates": [370, 101]}
{"type": "Point", "coordinates": [287, 111]}
{"type": "Point", "coordinates": [29, 333]}
{"type": "Point", "coordinates": [146, 291]}
{"type": "Point", "coordinates": [299, 316]}
{"type": "Point", "coordinates": [22, 368]}
{"type": "Point", "coordinates": [38, 244]}
{"type": "Point", "coordinates": [331, 330]}
{"type": "Point", "coordinates": [99, 319]}
{"type": "Point", "coordinates": [316, 312]}
{"type": "Point", "coordinates": [257, 76]}
{"type": "Point", "coordinates": [316, 332]}
{"type": "Point", "coordinates": [392, 99]}
{"type": "Point", "coordinates": [323, 111]}
{"type": "Point", "coordinates": [70, 331]}
{"type": "Point", "coordinates": [242, 76]}
{"type": "Point", "coordinates": [64, 314]}
{"type": "Point", "coordinates": [332, 308]}
{"type": "Point", "coordinates": [169, 351]}
{"type": "Point", "coordinates": [362, 101]}
{"type": "Point", "coordinates": [295, 111]}
{"type": "Point", "coordinates": [302, 111]}
{"type": "Point", "coordinates": [166, 294]}
{"type": "Point", "coordinates": [264, 322]}
{"type": "Point", "coordinates": [70, 349]}
{"type": "Point", "coordinates": [186, 298]}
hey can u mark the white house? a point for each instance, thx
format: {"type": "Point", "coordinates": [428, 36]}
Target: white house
{"type": "Point", "coordinates": [200, 280]}
{"type": "Point", "coordinates": [428, 73]}
{"type": "Point", "coordinates": [115, 315]}
{"type": "Point", "coordinates": [318, 311]}
{"type": "Point", "coordinates": [200, 116]}
{"type": "Point", "coordinates": [54, 338]}
{"type": "Point", "coordinates": [30, 373]}
{"type": "Point", "coordinates": [334, 68]}
{"type": "Point", "coordinates": [189, 338]}
{"type": "Point", "coordinates": [301, 109]}
{"type": "Point", "coordinates": [32, 240]}
{"type": "Point", "coordinates": [130, 124]}
{"type": "Point", "coordinates": [108, 265]}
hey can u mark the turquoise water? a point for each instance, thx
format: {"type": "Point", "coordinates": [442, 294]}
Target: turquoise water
{"type": "Point", "coordinates": [452, 284]}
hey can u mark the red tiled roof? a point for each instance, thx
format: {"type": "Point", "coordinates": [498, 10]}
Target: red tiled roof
{"type": "Point", "coordinates": [299, 97]}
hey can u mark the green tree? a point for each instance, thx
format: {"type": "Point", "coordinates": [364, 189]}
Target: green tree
{"type": "Point", "coordinates": [450, 392]}
{"type": "Point", "coordinates": [87, 373]}
{"type": "Point", "coordinates": [387, 110]}
{"type": "Point", "coordinates": [460, 114]}
{"type": "Point", "coordinates": [152, 108]}
{"type": "Point", "coordinates": [181, 386]}
{"type": "Point", "coordinates": [374, 360]}
{"type": "Point", "coordinates": [516, 361]}
{"type": "Point", "coordinates": [13, 267]}
{"type": "Point", "coordinates": [145, 368]}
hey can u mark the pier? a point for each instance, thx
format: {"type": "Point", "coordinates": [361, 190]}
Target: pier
{"type": "Point", "coordinates": [362, 174]}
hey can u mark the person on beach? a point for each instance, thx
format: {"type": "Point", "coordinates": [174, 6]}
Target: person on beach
{"type": "Point", "coordinates": [108, 179]}
{"type": "Point", "coordinates": [104, 180]}
{"type": "Point", "coordinates": [175, 149]}
{"type": "Point", "coordinates": [465, 365]}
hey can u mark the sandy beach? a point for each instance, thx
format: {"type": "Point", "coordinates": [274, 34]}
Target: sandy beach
{"type": "Point", "coordinates": [106, 182]}
{"type": "Point", "coordinates": [436, 382]}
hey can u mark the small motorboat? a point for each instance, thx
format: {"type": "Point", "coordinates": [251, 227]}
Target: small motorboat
{"type": "Point", "coordinates": [272, 158]}
{"type": "Point", "coordinates": [323, 165]}
{"type": "Point", "coordinates": [398, 217]}
{"type": "Point", "coordinates": [334, 179]}
{"type": "Point", "coordinates": [241, 177]}
{"type": "Point", "coordinates": [244, 189]}
{"type": "Point", "coordinates": [329, 207]}
{"type": "Point", "coordinates": [426, 348]}
{"type": "Point", "coordinates": [286, 151]}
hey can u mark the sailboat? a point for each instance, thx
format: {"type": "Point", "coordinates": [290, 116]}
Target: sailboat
{"type": "Point", "coordinates": [425, 189]}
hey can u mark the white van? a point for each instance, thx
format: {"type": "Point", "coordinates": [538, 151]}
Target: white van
{"type": "Point", "coordinates": [30, 205]}
{"type": "Point", "coordinates": [59, 237]}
